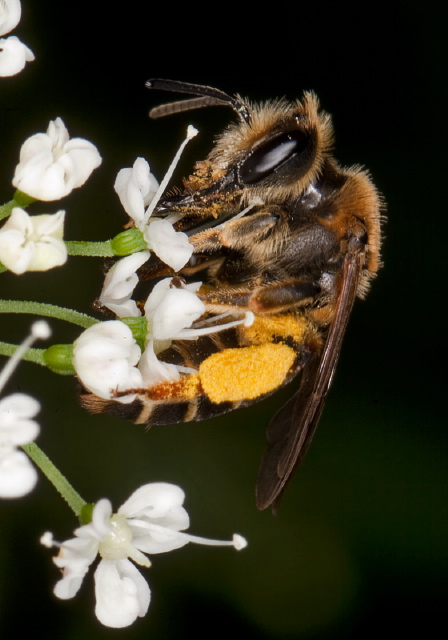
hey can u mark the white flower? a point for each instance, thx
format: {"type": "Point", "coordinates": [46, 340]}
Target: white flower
{"type": "Point", "coordinates": [172, 247]}
{"type": "Point", "coordinates": [51, 165]}
{"type": "Point", "coordinates": [32, 243]}
{"type": "Point", "coordinates": [104, 357]}
{"type": "Point", "coordinates": [13, 56]}
{"type": "Point", "coordinates": [10, 12]}
{"type": "Point", "coordinates": [169, 310]}
{"type": "Point", "coordinates": [151, 521]}
{"type": "Point", "coordinates": [17, 475]}
{"type": "Point", "coordinates": [119, 284]}
{"type": "Point", "coordinates": [136, 188]}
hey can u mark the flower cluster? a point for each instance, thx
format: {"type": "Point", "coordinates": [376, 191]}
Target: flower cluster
{"type": "Point", "coordinates": [51, 165]}
{"type": "Point", "coordinates": [13, 53]}
{"type": "Point", "coordinates": [151, 521]}
{"type": "Point", "coordinates": [108, 360]}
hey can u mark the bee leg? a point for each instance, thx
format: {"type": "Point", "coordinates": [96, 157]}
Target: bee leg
{"type": "Point", "coordinates": [281, 296]}
{"type": "Point", "coordinates": [237, 233]}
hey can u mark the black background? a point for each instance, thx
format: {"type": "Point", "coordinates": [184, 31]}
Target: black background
{"type": "Point", "coordinates": [359, 546]}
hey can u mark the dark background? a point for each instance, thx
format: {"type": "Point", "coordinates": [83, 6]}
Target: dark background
{"type": "Point", "coordinates": [359, 546]}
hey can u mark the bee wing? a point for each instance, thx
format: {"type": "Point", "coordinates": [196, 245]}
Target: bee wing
{"type": "Point", "coordinates": [291, 430]}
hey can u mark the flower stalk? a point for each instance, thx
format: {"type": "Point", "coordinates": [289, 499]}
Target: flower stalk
{"type": "Point", "coordinates": [60, 482]}
{"type": "Point", "coordinates": [19, 200]}
{"type": "Point", "coordinates": [48, 311]}
{"type": "Point", "coordinates": [90, 249]}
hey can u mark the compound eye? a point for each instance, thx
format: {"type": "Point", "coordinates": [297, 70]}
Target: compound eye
{"type": "Point", "coordinates": [288, 154]}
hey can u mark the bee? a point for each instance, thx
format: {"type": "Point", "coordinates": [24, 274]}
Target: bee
{"type": "Point", "coordinates": [278, 229]}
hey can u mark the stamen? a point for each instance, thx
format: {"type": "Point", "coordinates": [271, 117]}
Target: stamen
{"type": "Point", "coordinates": [191, 133]}
{"type": "Point", "coordinates": [192, 334]}
{"type": "Point", "coordinates": [48, 541]}
{"type": "Point", "coordinates": [238, 542]}
{"type": "Point", "coordinates": [201, 323]}
{"type": "Point", "coordinates": [39, 330]}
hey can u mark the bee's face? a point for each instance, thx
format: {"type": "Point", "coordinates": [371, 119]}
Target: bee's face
{"type": "Point", "coordinates": [279, 230]}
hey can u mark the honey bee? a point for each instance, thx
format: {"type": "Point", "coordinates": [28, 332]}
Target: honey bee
{"type": "Point", "coordinates": [281, 230]}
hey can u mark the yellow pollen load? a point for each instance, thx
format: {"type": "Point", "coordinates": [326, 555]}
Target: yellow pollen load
{"type": "Point", "coordinates": [266, 328]}
{"type": "Point", "coordinates": [245, 373]}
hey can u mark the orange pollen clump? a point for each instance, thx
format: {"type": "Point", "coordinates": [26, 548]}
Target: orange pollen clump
{"type": "Point", "coordinates": [245, 373]}
{"type": "Point", "coordinates": [270, 328]}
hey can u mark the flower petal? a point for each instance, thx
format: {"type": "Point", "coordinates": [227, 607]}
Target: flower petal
{"type": "Point", "coordinates": [17, 475]}
{"type": "Point", "coordinates": [153, 370]}
{"type": "Point", "coordinates": [99, 527]}
{"type": "Point", "coordinates": [172, 247]}
{"type": "Point", "coordinates": [16, 427]}
{"type": "Point", "coordinates": [136, 188]}
{"type": "Point", "coordinates": [178, 310]}
{"type": "Point", "coordinates": [158, 503]}
{"type": "Point", "coordinates": [13, 56]}
{"type": "Point", "coordinates": [119, 284]}
{"type": "Point", "coordinates": [155, 500]}
{"type": "Point", "coordinates": [122, 594]}
{"type": "Point", "coordinates": [10, 12]}
{"type": "Point", "coordinates": [75, 557]}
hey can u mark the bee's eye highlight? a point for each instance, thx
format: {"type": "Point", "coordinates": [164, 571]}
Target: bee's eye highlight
{"type": "Point", "coordinates": [293, 148]}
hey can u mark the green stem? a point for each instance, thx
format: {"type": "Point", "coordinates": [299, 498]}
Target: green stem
{"type": "Point", "coordinates": [31, 355]}
{"type": "Point", "coordinates": [47, 310]}
{"type": "Point", "coordinates": [19, 200]}
{"type": "Point", "coordinates": [60, 483]}
{"type": "Point", "coordinates": [95, 249]}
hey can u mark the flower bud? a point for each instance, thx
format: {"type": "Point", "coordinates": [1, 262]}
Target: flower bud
{"type": "Point", "coordinates": [58, 359]}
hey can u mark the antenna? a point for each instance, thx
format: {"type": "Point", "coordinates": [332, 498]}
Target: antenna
{"type": "Point", "coordinates": [208, 97]}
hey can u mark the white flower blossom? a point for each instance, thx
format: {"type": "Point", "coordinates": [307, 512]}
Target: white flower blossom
{"type": "Point", "coordinates": [32, 243]}
{"type": "Point", "coordinates": [119, 284]}
{"type": "Point", "coordinates": [17, 427]}
{"type": "Point", "coordinates": [51, 165]}
{"type": "Point", "coordinates": [171, 313]}
{"type": "Point", "coordinates": [169, 310]}
{"type": "Point", "coordinates": [151, 521]}
{"type": "Point", "coordinates": [136, 188]}
{"type": "Point", "coordinates": [105, 358]}
{"type": "Point", "coordinates": [10, 12]}
{"type": "Point", "coordinates": [13, 56]}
